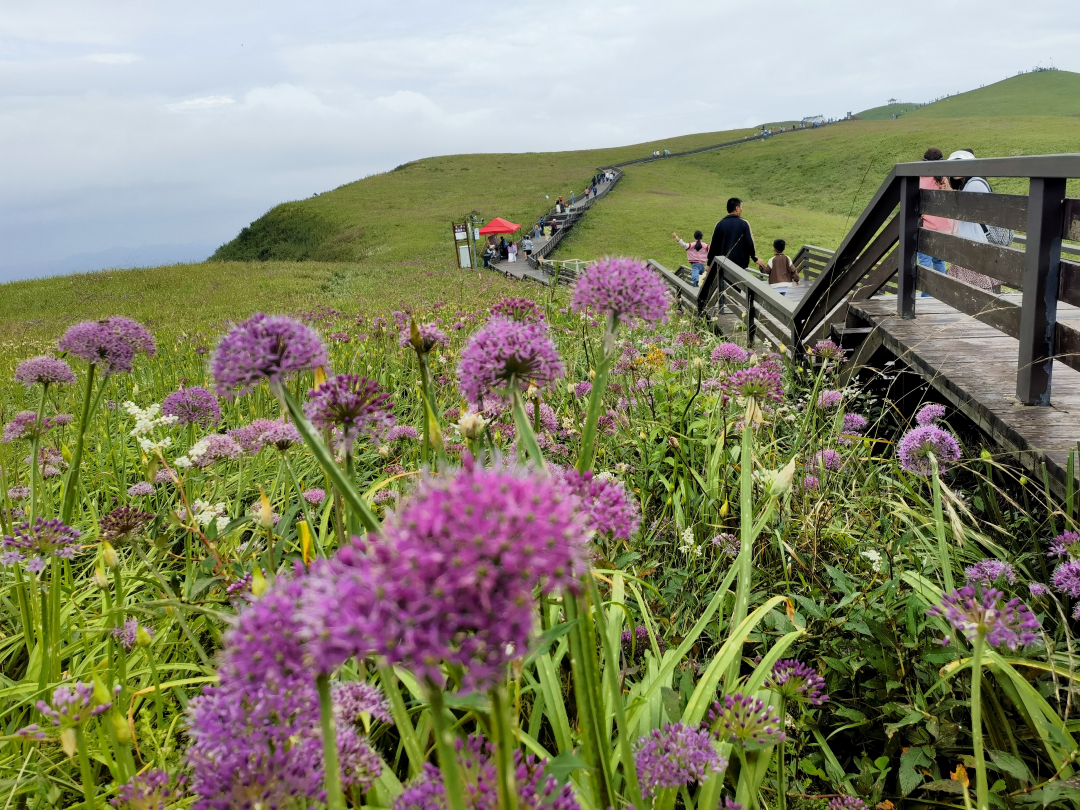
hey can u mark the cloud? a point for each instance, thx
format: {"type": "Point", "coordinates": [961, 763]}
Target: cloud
{"type": "Point", "coordinates": [114, 58]}
{"type": "Point", "coordinates": [203, 103]}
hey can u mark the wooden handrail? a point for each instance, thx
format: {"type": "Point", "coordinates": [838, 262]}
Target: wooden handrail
{"type": "Point", "coordinates": [1060, 167]}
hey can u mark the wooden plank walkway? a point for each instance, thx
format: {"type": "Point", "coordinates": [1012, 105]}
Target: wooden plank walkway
{"type": "Point", "coordinates": [974, 367]}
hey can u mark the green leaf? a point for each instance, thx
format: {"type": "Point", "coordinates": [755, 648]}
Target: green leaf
{"type": "Point", "coordinates": [907, 720]}
{"type": "Point", "coordinates": [944, 786]}
{"type": "Point", "coordinates": [562, 766]}
{"type": "Point", "coordinates": [910, 761]}
{"type": "Point", "coordinates": [672, 704]}
{"type": "Point", "coordinates": [547, 638]}
{"type": "Point", "coordinates": [1011, 765]}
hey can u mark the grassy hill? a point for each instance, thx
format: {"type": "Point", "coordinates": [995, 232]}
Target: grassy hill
{"type": "Point", "coordinates": [886, 112]}
{"type": "Point", "coordinates": [1053, 93]}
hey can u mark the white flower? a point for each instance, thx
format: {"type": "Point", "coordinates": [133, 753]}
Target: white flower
{"type": "Point", "coordinates": [874, 558]}
{"type": "Point", "coordinates": [198, 450]}
{"type": "Point", "coordinates": [182, 461]}
{"type": "Point", "coordinates": [222, 523]}
{"type": "Point", "coordinates": [606, 475]}
{"type": "Point", "coordinates": [472, 425]}
{"type": "Point", "coordinates": [146, 419]}
{"type": "Point", "coordinates": [150, 446]}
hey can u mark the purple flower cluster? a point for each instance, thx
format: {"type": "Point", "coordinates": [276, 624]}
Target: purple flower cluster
{"type": "Point", "coordinates": [1066, 578]}
{"type": "Point", "coordinates": [827, 459]}
{"type": "Point", "coordinates": [797, 681]}
{"type": "Point", "coordinates": [44, 371]}
{"type": "Point", "coordinates": [745, 721]}
{"type": "Point", "coordinates": [689, 339]}
{"type": "Point", "coordinates": [989, 571]}
{"type": "Point", "coordinates": [676, 756]}
{"type": "Point", "coordinates": [72, 705]}
{"type": "Point", "coordinates": [476, 758]}
{"type": "Point", "coordinates": [929, 414]}
{"type": "Point", "coordinates": [854, 425]}
{"type": "Point", "coordinates": [192, 406]}
{"type": "Point", "coordinates": [829, 399]}
{"type": "Point", "coordinates": [216, 447]}
{"type": "Point", "coordinates": [518, 309]}
{"type": "Point", "coordinates": [827, 350]}
{"type": "Point", "coordinates": [1066, 544]}
{"type": "Point", "coordinates": [848, 803]}
{"type": "Point", "coordinates": [249, 437]}
{"type": "Point", "coordinates": [918, 443]}
{"type": "Point", "coordinates": [150, 790]}
{"type": "Point", "coordinates": [430, 337]}
{"type": "Point", "coordinates": [502, 350]}
{"type": "Point", "coordinates": [727, 543]}
{"type": "Point", "coordinates": [264, 348]}
{"type": "Point", "coordinates": [25, 425]}
{"type": "Point", "coordinates": [400, 433]}
{"type": "Point", "coordinates": [1003, 624]}
{"type": "Point", "coordinates": [583, 389]}
{"type": "Point", "coordinates": [452, 578]}
{"type": "Point", "coordinates": [31, 545]}
{"type": "Point", "coordinates": [353, 405]}
{"type": "Point", "coordinates": [730, 354]}
{"type": "Point", "coordinates": [281, 436]}
{"type": "Point", "coordinates": [759, 382]}
{"type": "Point", "coordinates": [124, 522]}
{"type": "Point", "coordinates": [18, 493]}
{"type": "Point", "coordinates": [110, 344]}
{"type": "Point", "coordinates": [635, 642]}
{"type": "Point", "coordinates": [355, 698]}
{"type": "Point", "coordinates": [128, 634]}
{"type": "Point", "coordinates": [605, 505]}
{"type": "Point", "coordinates": [314, 496]}
{"type": "Point", "coordinates": [624, 288]}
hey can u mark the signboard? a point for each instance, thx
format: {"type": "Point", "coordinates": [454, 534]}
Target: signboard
{"type": "Point", "coordinates": [461, 233]}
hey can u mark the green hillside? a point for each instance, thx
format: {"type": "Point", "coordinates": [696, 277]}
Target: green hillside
{"type": "Point", "coordinates": [886, 112]}
{"type": "Point", "coordinates": [1054, 92]}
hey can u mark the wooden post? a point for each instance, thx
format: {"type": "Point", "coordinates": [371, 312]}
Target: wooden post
{"type": "Point", "coordinates": [1038, 315]}
{"type": "Point", "coordinates": [908, 248]}
{"type": "Point", "coordinates": [751, 326]}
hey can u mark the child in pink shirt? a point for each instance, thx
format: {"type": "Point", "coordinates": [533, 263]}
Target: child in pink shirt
{"type": "Point", "coordinates": [696, 255]}
{"type": "Point", "coordinates": [930, 222]}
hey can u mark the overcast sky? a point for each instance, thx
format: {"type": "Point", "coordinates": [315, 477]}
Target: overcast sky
{"type": "Point", "coordinates": [152, 132]}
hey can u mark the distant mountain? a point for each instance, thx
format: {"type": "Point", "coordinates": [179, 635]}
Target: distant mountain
{"type": "Point", "coordinates": [119, 258]}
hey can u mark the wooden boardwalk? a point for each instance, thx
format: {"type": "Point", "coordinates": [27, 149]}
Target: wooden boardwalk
{"type": "Point", "coordinates": [974, 367]}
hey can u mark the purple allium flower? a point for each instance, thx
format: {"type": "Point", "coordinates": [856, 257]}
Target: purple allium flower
{"type": "Point", "coordinates": [399, 433]}
{"type": "Point", "coordinates": [314, 496]}
{"type": "Point", "coordinates": [501, 350]}
{"type": "Point", "coordinates": [353, 405]}
{"type": "Point", "coordinates": [929, 414]}
{"type": "Point", "coordinates": [192, 406]}
{"type": "Point", "coordinates": [1066, 544]}
{"type": "Point", "coordinates": [354, 698]}
{"type": "Point", "coordinates": [241, 588]}
{"type": "Point", "coordinates": [249, 437]}
{"type": "Point", "coordinates": [636, 642]}
{"type": "Point", "coordinates": [452, 577]}
{"type": "Point", "coordinates": [745, 720]}
{"type": "Point", "coordinates": [676, 756]}
{"type": "Point", "coordinates": [140, 489]}
{"type": "Point", "coordinates": [1007, 624]}
{"type": "Point", "coordinates": [625, 288]}
{"type": "Point", "coordinates": [384, 496]}
{"type": "Point", "coordinates": [1076, 611]}
{"type": "Point", "coordinates": [150, 790]}
{"type": "Point", "coordinates": [582, 389]}
{"type": "Point", "coordinates": [829, 399]}
{"type": "Point", "coordinates": [727, 543]}
{"type": "Point", "coordinates": [18, 493]}
{"type": "Point", "coordinates": [72, 705]}
{"type": "Point", "coordinates": [758, 382]}
{"type": "Point", "coordinates": [518, 309]}
{"type": "Point", "coordinates": [165, 477]}
{"type": "Point", "coordinates": [797, 681]}
{"type": "Point", "coordinates": [44, 371]}
{"type": "Point", "coordinates": [128, 634]}
{"type": "Point", "coordinates": [123, 523]}
{"type": "Point", "coordinates": [827, 459]}
{"type": "Point", "coordinates": [1037, 589]}
{"type": "Point", "coordinates": [854, 424]}
{"type": "Point", "coordinates": [811, 483]}
{"type": "Point", "coordinates": [281, 436]}
{"type": "Point", "coordinates": [827, 350]}
{"type": "Point", "coordinates": [476, 759]}
{"type": "Point", "coordinates": [110, 344]}
{"type": "Point", "coordinates": [213, 448]}
{"type": "Point", "coordinates": [604, 503]}
{"type": "Point", "coordinates": [61, 419]}
{"type": "Point", "coordinates": [264, 348]}
{"type": "Point", "coordinates": [430, 337]}
{"type": "Point", "coordinates": [25, 425]}
{"type": "Point", "coordinates": [917, 444]}
{"type": "Point", "coordinates": [989, 571]}
{"type": "Point", "coordinates": [730, 354]}
{"type": "Point", "coordinates": [47, 538]}
{"type": "Point", "coordinates": [848, 803]}
{"type": "Point", "coordinates": [689, 339]}
{"type": "Point", "coordinates": [360, 765]}
{"type": "Point", "coordinates": [1066, 578]}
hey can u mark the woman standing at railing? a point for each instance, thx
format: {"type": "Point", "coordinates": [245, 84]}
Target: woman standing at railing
{"type": "Point", "coordinates": [974, 231]}
{"type": "Point", "coordinates": [696, 252]}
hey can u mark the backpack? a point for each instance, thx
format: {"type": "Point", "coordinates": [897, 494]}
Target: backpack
{"type": "Point", "coordinates": [995, 235]}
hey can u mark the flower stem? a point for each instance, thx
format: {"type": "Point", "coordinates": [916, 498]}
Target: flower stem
{"type": "Point", "coordinates": [453, 784]}
{"type": "Point", "coordinates": [944, 560]}
{"type": "Point", "coordinates": [35, 443]}
{"type": "Point", "coordinates": [596, 397]}
{"type": "Point", "coordinates": [982, 792]}
{"type": "Point", "coordinates": [335, 799]}
{"type": "Point", "coordinates": [524, 430]}
{"type": "Point", "coordinates": [89, 789]}
{"type": "Point", "coordinates": [71, 484]}
{"type": "Point", "coordinates": [746, 542]}
{"type": "Point", "coordinates": [505, 745]}
{"type": "Point", "coordinates": [781, 775]}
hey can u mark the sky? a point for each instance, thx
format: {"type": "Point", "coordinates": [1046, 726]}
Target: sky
{"type": "Point", "coordinates": [136, 133]}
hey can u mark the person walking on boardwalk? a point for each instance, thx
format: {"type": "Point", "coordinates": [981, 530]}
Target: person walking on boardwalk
{"type": "Point", "coordinates": [782, 270]}
{"type": "Point", "coordinates": [733, 239]}
{"type": "Point", "coordinates": [695, 255]}
{"type": "Point", "coordinates": [527, 246]}
{"type": "Point", "coordinates": [971, 230]}
{"type": "Point", "coordinates": [930, 222]}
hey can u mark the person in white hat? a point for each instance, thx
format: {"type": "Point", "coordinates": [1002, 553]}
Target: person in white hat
{"type": "Point", "coordinates": [970, 230]}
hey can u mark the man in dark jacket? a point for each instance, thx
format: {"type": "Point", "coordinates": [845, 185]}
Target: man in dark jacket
{"type": "Point", "coordinates": [732, 238]}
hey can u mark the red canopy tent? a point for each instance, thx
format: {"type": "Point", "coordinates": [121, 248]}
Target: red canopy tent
{"type": "Point", "coordinates": [499, 225]}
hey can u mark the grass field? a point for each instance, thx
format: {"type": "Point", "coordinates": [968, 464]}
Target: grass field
{"type": "Point", "coordinates": [1047, 93]}
{"type": "Point", "coordinates": [886, 112]}
{"type": "Point", "coordinates": [805, 188]}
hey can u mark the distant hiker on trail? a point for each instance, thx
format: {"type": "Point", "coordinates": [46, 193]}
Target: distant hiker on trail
{"type": "Point", "coordinates": [571, 198]}
{"type": "Point", "coordinates": [527, 246]}
{"type": "Point", "coordinates": [559, 205]}
{"type": "Point", "coordinates": [974, 230]}
{"type": "Point", "coordinates": [930, 222]}
{"type": "Point", "coordinates": [695, 255]}
{"type": "Point", "coordinates": [782, 271]}
{"type": "Point", "coordinates": [511, 252]}
{"type": "Point", "coordinates": [733, 239]}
